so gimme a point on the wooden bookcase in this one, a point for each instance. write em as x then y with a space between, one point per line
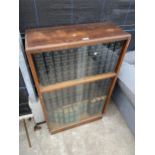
75 69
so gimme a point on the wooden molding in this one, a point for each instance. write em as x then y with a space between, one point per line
76 82
64 37
84 121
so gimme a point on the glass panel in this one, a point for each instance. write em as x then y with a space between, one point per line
58 66
73 104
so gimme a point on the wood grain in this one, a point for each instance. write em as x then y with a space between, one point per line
76 82
34 74
84 121
124 48
58 38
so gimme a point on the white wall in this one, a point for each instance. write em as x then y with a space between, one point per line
37 111
33 101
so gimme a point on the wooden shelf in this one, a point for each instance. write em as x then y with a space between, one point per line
98 98
55 128
62 37
71 83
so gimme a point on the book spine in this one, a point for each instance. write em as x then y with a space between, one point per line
96 56
66 115
109 58
57 65
71 95
60 112
92 98
96 107
76 112
116 53
48 106
71 114
65 95
104 57
56 116
81 62
85 104
64 64
59 96
71 64
100 106
75 63
51 100
102 60
81 108
112 59
91 108
50 66
90 61
41 69
88 97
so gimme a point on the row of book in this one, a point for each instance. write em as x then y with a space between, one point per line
74 112
58 66
76 94
68 104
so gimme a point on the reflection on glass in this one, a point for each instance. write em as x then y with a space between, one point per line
58 66
73 104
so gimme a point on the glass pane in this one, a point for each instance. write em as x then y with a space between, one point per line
58 66
73 104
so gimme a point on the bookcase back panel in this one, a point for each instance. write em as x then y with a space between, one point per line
73 104
68 64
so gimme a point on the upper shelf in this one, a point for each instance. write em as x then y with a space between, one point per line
62 37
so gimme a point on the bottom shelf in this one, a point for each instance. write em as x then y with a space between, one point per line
85 118
75 114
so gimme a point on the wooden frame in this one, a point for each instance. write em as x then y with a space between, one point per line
65 37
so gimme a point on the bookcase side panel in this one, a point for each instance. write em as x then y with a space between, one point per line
117 68
35 78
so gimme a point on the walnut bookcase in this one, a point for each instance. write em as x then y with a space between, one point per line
75 69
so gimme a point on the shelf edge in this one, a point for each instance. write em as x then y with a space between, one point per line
76 82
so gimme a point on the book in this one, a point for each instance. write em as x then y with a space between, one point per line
86 91
65 65
85 104
50 67
48 106
90 108
61 115
40 69
76 109
71 93
56 117
90 61
71 64
81 62
66 115
102 59
71 114
57 66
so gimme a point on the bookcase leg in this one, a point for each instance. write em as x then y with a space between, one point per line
27 134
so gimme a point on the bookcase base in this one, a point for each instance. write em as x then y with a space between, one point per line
83 121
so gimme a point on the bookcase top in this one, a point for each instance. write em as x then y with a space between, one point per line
72 36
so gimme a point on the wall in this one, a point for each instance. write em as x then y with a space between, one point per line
45 13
